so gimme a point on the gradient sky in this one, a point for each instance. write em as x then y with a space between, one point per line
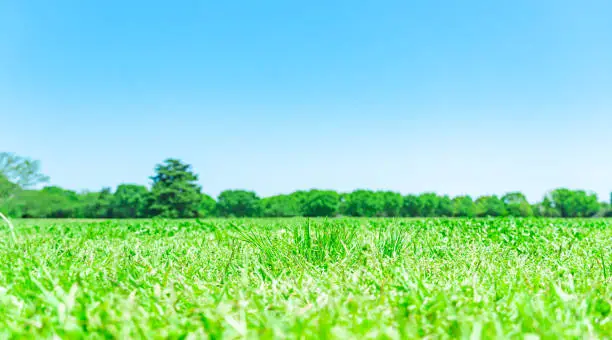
457 97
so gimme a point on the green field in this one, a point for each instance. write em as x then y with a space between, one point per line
294 278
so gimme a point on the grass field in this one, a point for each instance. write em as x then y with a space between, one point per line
293 278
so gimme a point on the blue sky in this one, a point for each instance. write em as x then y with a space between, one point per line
457 97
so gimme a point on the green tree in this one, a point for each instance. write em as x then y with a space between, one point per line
238 203
517 205
574 203
320 203
429 204
391 203
130 201
464 206
445 206
411 206
490 206
102 207
28 204
280 206
208 206
16 173
175 192
545 208
50 202
363 203
7 188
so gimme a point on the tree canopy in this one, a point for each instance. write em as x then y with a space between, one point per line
175 193
238 203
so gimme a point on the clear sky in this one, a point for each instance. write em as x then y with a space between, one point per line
457 97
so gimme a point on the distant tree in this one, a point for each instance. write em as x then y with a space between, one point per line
464 206
104 203
7 188
175 192
363 203
28 204
238 203
208 206
320 203
301 196
429 204
517 205
280 206
21 171
50 202
545 208
411 206
16 173
607 210
574 203
391 203
130 201
445 206
490 206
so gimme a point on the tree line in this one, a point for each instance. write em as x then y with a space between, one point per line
175 193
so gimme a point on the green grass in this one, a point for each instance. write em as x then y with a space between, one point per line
294 278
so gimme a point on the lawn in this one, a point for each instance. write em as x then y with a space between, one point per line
299 278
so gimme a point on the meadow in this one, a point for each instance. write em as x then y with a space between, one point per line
300 278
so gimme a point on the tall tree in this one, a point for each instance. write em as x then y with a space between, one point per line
175 192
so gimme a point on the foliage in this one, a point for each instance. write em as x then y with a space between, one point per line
238 203
464 206
516 204
22 171
208 206
490 206
573 203
363 203
411 206
175 192
320 203
7 189
130 201
280 206
427 205
391 203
